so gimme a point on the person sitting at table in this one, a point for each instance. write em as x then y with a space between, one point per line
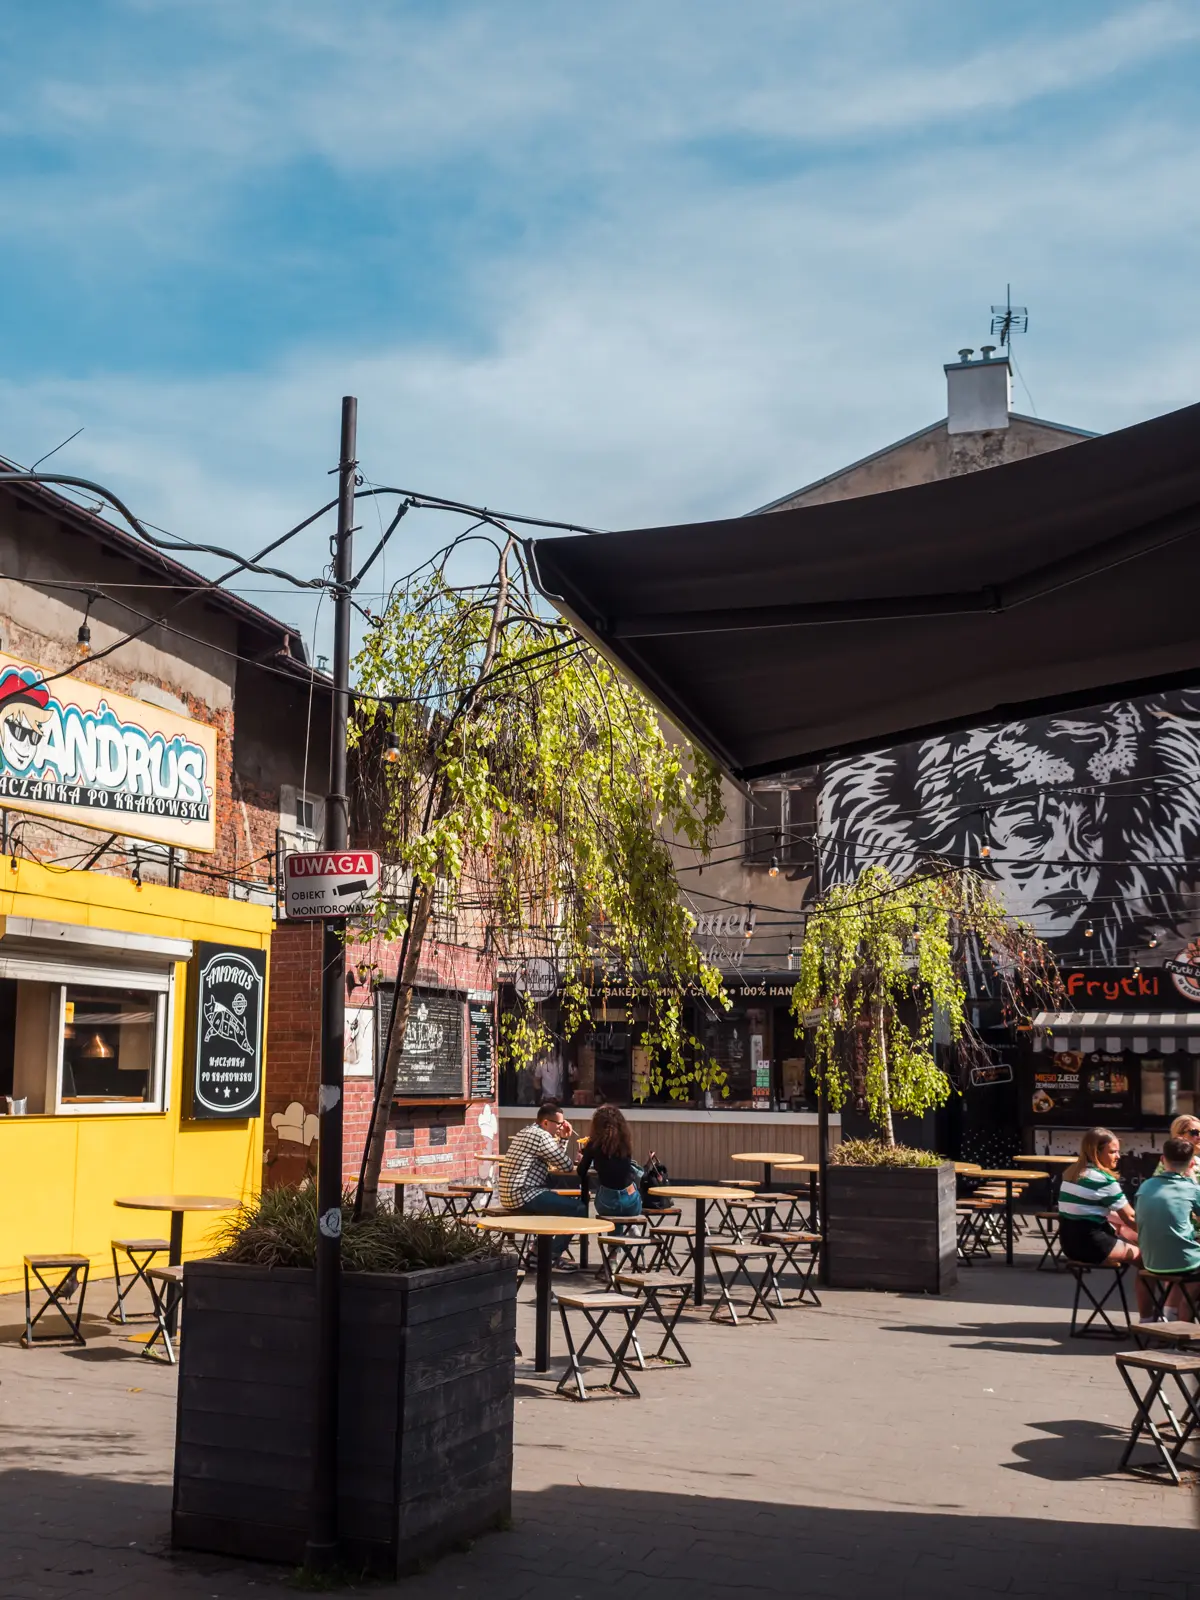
1185 1127
609 1150
1089 1199
1166 1208
542 1147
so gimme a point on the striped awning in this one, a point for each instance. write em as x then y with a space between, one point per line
1140 1031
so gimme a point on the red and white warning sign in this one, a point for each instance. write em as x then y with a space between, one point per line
323 883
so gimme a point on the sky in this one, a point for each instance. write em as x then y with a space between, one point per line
620 265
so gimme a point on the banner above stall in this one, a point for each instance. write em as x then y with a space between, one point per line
104 760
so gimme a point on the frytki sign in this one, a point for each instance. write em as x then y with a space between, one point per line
70 749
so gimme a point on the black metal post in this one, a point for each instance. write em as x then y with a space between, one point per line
541 1342
321 1546
701 1243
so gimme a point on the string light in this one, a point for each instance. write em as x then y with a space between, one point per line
773 869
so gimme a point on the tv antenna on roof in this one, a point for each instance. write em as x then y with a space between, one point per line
1009 319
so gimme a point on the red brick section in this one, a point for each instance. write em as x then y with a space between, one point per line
293 1059
293 1062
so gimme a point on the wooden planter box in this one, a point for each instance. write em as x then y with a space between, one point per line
892 1228
426 1420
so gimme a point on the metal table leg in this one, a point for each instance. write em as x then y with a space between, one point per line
175 1259
1008 1222
541 1349
700 1246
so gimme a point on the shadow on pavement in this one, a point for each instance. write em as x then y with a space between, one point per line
571 1542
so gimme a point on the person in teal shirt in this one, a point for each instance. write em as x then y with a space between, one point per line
1166 1220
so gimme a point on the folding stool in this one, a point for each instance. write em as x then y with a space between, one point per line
789 1244
166 1290
741 1255
597 1308
1079 1271
654 1286
74 1270
133 1248
1161 1365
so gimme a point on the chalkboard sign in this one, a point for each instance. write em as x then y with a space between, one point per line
432 1062
483 1051
227 996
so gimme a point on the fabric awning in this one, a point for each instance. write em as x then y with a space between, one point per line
1121 1021
789 637
1113 1031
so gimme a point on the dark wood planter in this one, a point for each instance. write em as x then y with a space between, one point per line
892 1228
426 1421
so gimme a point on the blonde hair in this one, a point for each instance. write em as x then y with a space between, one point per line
1090 1147
1181 1123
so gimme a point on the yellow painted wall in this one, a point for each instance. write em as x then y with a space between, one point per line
59 1175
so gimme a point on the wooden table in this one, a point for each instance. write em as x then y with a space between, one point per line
1008 1176
701 1194
1057 1165
769 1158
814 1202
543 1229
177 1205
406 1180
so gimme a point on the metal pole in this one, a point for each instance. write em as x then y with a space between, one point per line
322 1543
822 1095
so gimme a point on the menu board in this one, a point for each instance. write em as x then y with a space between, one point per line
227 987
1069 1086
432 1061
482 1060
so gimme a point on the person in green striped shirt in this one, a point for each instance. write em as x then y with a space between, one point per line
1096 1223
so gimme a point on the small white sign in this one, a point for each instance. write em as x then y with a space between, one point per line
323 883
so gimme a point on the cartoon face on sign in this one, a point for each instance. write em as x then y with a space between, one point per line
24 713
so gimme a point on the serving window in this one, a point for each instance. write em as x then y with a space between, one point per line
93 1045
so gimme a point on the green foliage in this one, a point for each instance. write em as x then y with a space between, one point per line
876 1153
538 790
278 1228
880 961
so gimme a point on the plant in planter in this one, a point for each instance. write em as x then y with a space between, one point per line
881 963
427 1361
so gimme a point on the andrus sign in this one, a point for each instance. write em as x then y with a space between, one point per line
228 1028
69 749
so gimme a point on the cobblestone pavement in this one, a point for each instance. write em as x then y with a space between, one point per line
917 1446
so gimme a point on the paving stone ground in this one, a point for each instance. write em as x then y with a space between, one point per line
887 1444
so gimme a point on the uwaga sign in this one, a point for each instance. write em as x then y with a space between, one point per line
69 749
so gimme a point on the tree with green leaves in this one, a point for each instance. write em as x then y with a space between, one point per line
529 788
882 961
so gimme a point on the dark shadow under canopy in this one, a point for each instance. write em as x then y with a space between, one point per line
792 636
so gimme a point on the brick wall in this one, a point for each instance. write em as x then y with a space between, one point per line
293 1066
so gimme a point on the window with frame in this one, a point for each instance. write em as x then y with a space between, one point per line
781 822
89 1045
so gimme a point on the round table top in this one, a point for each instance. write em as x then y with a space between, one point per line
1055 1161
769 1156
519 1222
698 1191
1014 1173
400 1178
967 1166
176 1202
798 1166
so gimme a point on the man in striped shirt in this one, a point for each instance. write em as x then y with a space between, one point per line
539 1149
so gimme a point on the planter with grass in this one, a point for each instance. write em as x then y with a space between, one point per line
890 1222
427 1358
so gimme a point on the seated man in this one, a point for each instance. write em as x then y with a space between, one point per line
1166 1224
538 1150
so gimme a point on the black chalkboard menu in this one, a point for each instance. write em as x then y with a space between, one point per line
482 1060
432 1062
227 988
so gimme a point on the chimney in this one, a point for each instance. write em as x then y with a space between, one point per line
978 393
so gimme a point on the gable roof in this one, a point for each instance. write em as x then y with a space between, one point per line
898 444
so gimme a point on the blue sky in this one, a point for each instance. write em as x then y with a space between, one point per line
622 264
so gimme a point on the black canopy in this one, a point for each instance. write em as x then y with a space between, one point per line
788 637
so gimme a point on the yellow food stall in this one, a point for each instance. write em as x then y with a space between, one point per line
132 1021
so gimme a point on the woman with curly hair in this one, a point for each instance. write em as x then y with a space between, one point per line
609 1150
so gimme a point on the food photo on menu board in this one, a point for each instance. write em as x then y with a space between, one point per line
1071 1083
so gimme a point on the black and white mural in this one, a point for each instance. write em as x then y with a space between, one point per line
1087 819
